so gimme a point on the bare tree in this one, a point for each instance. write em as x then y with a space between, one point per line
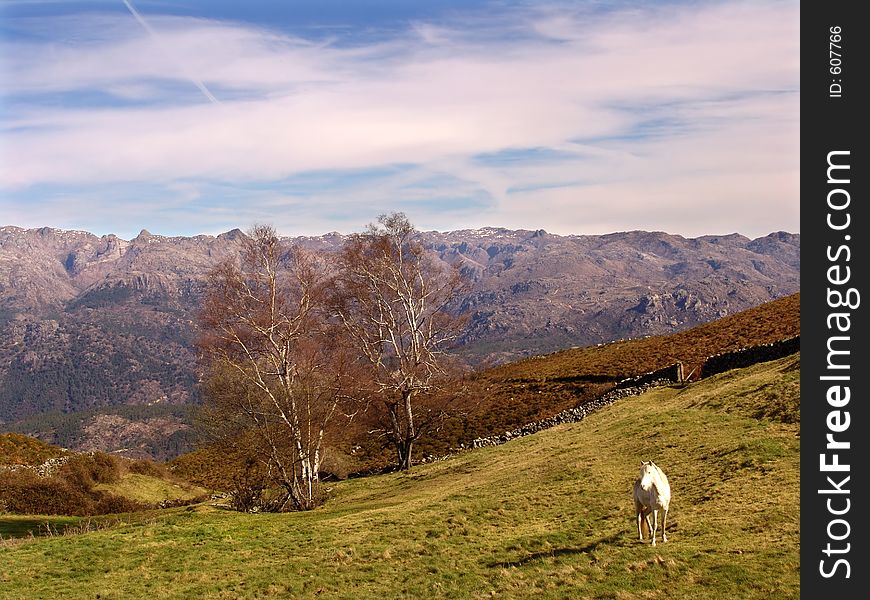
278 373
393 299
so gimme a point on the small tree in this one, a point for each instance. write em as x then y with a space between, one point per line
277 371
393 299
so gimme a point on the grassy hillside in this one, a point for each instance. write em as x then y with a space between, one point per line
535 388
149 489
509 396
544 516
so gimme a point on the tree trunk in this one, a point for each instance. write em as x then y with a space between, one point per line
404 448
410 431
404 433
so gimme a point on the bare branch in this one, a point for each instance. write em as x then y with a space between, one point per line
392 300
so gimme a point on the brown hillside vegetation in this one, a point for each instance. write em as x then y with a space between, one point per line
769 322
509 396
535 388
37 478
18 449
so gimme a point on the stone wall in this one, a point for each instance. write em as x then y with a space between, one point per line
634 386
46 469
745 357
572 415
672 374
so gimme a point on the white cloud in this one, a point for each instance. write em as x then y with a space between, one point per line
722 78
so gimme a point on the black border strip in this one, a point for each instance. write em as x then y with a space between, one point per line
833 246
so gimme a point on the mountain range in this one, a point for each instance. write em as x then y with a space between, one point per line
96 332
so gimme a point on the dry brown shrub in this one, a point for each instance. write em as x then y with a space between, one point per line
27 493
111 504
69 492
149 468
84 471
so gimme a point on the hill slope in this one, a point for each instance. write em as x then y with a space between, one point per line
92 326
528 390
545 516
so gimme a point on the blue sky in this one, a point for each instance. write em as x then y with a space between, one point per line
186 117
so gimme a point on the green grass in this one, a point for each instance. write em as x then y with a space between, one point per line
545 516
19 526
150 490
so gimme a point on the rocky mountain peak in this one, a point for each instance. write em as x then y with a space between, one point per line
88 322
232 235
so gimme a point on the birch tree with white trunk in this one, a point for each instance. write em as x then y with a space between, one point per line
278 370
393 301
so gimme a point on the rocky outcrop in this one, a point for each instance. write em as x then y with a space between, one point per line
45 469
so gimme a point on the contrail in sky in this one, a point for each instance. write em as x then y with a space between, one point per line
205 91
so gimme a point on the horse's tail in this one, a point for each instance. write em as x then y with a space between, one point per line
644 528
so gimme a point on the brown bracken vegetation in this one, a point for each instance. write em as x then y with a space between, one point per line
539 387
70 489
19 449
511 395
37 478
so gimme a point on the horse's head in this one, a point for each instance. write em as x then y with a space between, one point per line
647 470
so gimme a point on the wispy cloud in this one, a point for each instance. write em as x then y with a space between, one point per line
681 117
154 35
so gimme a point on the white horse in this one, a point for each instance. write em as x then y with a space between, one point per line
652 494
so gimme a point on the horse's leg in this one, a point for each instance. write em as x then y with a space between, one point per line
648 523
664 525
655 514
639 530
